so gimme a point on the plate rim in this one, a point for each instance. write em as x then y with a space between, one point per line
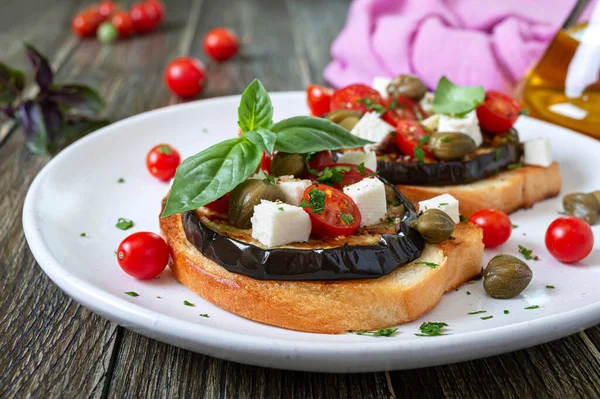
277 350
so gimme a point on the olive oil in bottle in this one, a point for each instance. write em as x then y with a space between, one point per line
564 87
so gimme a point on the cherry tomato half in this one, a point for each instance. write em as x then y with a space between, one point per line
343 174
265 163
331 212
86 23
185 76
405 109
408 136
496 226
569 239
321 159
144 17
220 205
319 99
143 255
498 112
221 44
106 8
162 161
122 21
353 97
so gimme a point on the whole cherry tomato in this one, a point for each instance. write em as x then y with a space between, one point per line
221 44
162 161
220 205
402 108
143 255
185 76
356 97
409 135
569 239
342 175
321 159
106 9
331 212
319 99
144 17
498 112
86 23
122 21
159 10
496 226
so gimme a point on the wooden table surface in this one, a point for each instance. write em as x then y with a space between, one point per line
52 347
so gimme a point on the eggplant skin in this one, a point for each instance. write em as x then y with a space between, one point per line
451 172
340 263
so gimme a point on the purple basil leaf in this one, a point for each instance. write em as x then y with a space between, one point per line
53 119
80 97
43 72
12 82
42 124
77 127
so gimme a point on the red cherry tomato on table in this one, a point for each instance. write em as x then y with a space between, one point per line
162 161
350 174
405 109
408 136
122 21
569 239
319 99
498 112
86 23
337 214
496 226
220 205
143 255
185 76
159 10
350 97
321 159
221 44
144 17
106 8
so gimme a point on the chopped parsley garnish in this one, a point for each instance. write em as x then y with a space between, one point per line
270 179
316 202
525 252
419 153
514 226
374 174
391 219
304 204
395 203
382 332
428 264
394 103
550 287
486 317
510 138
165 149
347 218
361 168
124 224
524 111
497 154
468 292
445 139
121 180
333 175
280 208
83 235
514 166
431 329
478 312
132 293
532 307
506 312
380 109
187 303
462 218
443 203
204 315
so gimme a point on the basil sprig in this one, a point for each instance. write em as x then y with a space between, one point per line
451 99
215 171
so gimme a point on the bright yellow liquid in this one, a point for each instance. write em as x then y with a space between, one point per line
546 83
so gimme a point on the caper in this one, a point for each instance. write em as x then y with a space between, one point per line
285 164
344 117
407 85
434 225
244 197
584 206
451 146
506 277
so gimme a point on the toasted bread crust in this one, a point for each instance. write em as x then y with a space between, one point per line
330 306
508 192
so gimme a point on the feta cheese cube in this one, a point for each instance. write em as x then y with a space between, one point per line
431 123
445 203
380 84
468 125
369 158
427 102
293 190
372 127
369 196
271 224
538 152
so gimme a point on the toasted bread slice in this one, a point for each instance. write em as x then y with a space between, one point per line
508 191
330 306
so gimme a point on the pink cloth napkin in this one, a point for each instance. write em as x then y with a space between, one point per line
472 42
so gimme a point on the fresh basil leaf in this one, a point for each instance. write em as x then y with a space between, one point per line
301 134
12 82
263 138
211 174
255 108
81 97
451 99
43 72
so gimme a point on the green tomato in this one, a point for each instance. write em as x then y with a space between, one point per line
107 33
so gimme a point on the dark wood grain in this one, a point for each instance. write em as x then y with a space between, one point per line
52 347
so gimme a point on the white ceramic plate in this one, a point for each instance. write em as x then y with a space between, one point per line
78 192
